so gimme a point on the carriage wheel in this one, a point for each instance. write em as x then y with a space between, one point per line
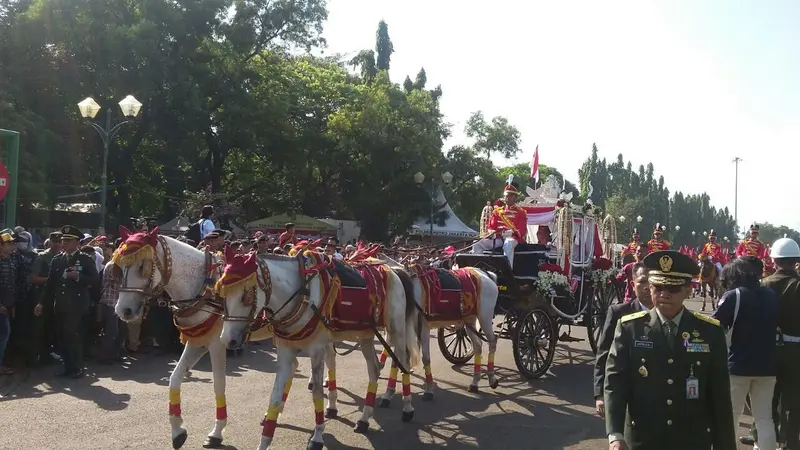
598 310
455 344
345 348
534 343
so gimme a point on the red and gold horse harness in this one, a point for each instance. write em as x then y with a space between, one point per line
141 248
352 297
449 297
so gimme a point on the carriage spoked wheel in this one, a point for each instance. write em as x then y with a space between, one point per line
601 301
344 348
534 343
455 344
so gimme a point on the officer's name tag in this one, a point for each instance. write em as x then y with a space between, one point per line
698 348
692 388
643 344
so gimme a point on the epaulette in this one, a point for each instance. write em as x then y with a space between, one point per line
632 316
706 318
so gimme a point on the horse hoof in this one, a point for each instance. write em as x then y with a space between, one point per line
361 427
179 440
494 383
212 442
427 396
331 413
310 385
473 388
385 402
314 445
408 416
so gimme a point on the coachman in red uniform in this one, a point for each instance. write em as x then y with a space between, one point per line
657 244
751 246
508 225
634 245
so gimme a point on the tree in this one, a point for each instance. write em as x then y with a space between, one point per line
769 233
497 136
383 47
522 175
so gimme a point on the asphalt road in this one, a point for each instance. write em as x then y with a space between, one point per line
125 406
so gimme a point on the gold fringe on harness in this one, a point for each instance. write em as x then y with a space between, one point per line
128 254
231 281
205 338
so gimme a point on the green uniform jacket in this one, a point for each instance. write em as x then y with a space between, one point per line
70 296
646 385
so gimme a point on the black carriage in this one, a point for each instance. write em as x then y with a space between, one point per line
530 319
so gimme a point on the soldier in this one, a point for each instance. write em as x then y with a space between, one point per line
786 282
640 302
657 243
666 381
44 326
509 223
713 250
288 236
751 246
67 289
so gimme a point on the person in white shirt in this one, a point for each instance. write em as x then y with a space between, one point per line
206 224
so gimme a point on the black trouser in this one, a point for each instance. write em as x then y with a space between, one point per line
114 332
162 328
22 332
71 330
789 385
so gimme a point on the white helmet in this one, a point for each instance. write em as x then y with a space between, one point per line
785 248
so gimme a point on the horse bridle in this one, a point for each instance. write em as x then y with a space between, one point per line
165 269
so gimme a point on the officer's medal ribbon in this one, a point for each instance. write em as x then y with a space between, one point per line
685 337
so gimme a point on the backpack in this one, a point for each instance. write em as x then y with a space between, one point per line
193 233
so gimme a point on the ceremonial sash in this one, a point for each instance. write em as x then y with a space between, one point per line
508 222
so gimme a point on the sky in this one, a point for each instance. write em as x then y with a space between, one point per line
683 84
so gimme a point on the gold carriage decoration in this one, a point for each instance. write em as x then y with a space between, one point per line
608 236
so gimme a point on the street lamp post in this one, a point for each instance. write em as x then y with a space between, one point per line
419 178
89 108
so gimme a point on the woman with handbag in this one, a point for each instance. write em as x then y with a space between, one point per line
749 313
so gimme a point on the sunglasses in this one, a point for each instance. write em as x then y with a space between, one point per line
671 288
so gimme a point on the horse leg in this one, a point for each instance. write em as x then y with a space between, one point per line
217 353
317 367
478 346
330 355
391 386
425 343
287 361
703 293
487 327
368 350
382 360
191 354
330 360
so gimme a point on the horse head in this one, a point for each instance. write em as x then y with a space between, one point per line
238 287
136 257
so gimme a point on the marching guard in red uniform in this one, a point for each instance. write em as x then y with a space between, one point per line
508 224
657 244
634 245
714 251
751 246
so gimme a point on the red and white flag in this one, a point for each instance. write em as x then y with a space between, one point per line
535 165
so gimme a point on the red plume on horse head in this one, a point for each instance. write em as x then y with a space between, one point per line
229 252
135 247
124 233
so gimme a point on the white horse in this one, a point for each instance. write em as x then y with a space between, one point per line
485 314
289 295
184 272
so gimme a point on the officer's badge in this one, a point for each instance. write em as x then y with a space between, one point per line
666 263
695 334
643 371
685 335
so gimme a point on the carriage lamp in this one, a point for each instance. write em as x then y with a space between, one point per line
677 228
639 219
622 219
89 108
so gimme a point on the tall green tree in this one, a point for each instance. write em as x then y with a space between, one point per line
383 47
497 136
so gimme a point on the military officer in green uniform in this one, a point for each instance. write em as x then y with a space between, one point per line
67 290
667 384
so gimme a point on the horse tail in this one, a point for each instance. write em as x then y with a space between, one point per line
412 331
